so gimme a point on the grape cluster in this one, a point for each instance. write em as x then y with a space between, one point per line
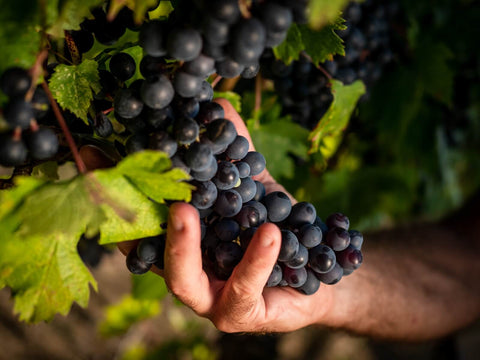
23 136
232 205
303 88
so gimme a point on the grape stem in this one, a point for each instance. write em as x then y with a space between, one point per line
319 67
35 72
216 81
68 136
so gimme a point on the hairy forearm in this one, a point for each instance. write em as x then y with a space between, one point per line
415 284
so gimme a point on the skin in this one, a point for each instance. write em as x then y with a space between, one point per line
420 285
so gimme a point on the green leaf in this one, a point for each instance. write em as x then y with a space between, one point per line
47 170
19 36
42 222
234 99
320 45
148 286
345 98
73 86
276 138
290 49
321 12
68 14
121 316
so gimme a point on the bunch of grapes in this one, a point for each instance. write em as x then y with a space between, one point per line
303 88
23 137
232 205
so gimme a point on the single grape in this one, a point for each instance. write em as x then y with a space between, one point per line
177 162
202 66
256 161
243 170
150 249
208 173
228 255
185 107
238 149
135 265
159 119
126 104
311 285
228 68
184 44
205 93
215 31
198 157
300 259
338 239
103 126
321 258
186 130
262 210
15 81
224 10
310 235
260 194
18 113
152 38
275 276
204 195
136 142
161 141
295 277
350 258
278 205
157 92
302 213
227 176
221 131
122 66
250 71
228 204
43 144
209 111
289 247
246 189
187 85
227 229
276 17
338 220
153 65
356 239
13 152
248 217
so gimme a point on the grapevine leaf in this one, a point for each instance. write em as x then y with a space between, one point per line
323 44
345 98
234 99
19 38
72 86
290 49
148 286
68 14
319 45
121 316
276 138
47 170
323 12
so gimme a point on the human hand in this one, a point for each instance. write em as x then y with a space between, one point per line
242 303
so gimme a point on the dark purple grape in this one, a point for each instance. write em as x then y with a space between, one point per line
333 276
228 68
250 71
136 142
202 66
275 276
243 170
161 141
150 249
187 85
238 149
157 92
356 239
159 119
302 213
228 255
15 81
184 44
127 104
260 194
338 239
276 17
135 265
43 144
262 210
226 11
198 157
177 162
151 66
295 277
300 259
206 92
185 106
152 38
186 130
321 259
122 66
204 195
338 220
227 176
208 173
289 247
13 152
215 31
311 285
310 235
246 189
227 229
18 113
278 205
210 111
350 258
221 132
103 126
248 217
228 204
256 161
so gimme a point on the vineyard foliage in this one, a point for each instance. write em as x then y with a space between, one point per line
406 149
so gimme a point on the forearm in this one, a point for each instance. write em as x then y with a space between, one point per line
423 285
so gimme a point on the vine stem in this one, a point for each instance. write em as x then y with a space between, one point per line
35 72
68 136
319 67
258 92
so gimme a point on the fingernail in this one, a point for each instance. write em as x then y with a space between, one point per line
175 221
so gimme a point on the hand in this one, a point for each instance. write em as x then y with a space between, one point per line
242 303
